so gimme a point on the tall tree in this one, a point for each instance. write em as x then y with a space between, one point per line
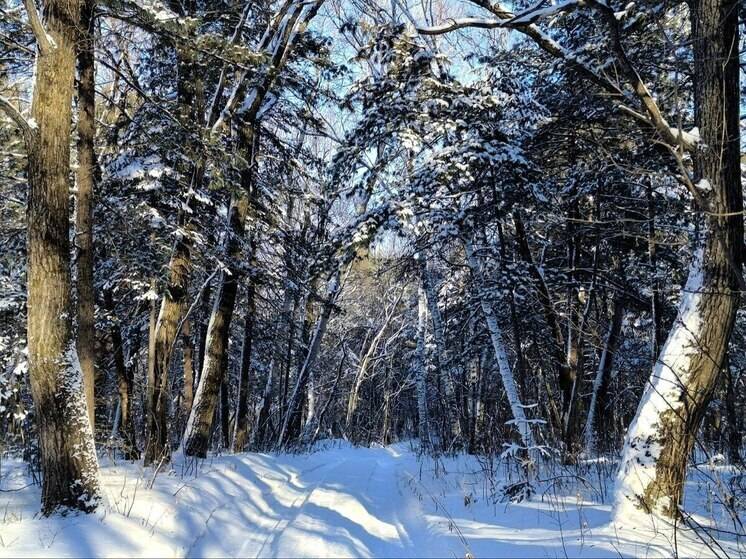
68 455
86 178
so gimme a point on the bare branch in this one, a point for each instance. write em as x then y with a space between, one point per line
43 39
15 115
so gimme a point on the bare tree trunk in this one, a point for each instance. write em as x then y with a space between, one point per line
68 456
86 177
291 423
662 435
656 306
262 422
202 333
734 433
173 307
506 374
188 357
550 316
125 383
603 371
445 367
241 428
353 399
197 433
225 414
420 371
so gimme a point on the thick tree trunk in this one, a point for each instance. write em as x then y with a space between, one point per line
68 456
241 428
662 435
86 177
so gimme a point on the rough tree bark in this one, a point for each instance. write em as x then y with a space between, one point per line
662 435
68 456
86 177
188 358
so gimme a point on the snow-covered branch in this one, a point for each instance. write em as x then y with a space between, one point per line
524 22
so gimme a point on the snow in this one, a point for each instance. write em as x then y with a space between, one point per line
663 392
338 501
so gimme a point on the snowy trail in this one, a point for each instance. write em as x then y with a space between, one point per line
337 502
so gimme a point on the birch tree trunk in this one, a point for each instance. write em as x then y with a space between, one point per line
506 374
445 369
68 456
602 372
420 371
662 434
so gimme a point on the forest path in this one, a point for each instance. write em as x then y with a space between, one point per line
338 501
351 507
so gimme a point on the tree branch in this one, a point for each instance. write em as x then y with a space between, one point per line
45 42
26 127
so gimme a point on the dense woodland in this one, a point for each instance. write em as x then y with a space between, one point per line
514 231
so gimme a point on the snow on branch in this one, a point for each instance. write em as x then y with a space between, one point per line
649 114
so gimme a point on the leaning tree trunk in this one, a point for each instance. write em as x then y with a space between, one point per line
68 456
86 177
506 374
662 434
292 420
199 426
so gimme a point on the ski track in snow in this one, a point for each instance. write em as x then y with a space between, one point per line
339 501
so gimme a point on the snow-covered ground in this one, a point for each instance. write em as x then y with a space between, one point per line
336 501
